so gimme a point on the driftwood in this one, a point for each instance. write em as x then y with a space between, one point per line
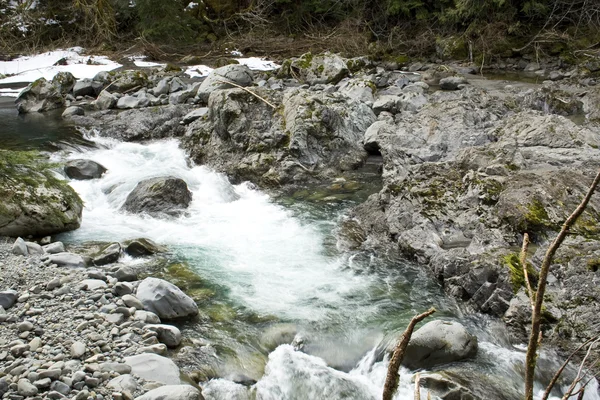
392 378
228 82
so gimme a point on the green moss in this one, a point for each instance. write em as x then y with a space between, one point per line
536 215
172 68
593 264
304 61
517 277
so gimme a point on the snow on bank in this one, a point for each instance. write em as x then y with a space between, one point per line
29 68
254 63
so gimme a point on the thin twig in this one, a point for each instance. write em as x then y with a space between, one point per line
392 378
418 386
523 260
536 318
562 368
578 378
247 90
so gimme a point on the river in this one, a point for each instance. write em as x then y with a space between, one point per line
267 267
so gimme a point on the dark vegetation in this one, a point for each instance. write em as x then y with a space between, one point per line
477 30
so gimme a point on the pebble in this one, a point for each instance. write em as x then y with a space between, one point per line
25 388
77 349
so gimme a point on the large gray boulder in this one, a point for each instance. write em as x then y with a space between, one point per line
236 73
43 95
314 135
165 299
159 196
153 367
172 392
81 169
439 342
34 202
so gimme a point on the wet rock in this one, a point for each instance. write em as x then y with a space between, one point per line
73 110
159 196
142 247
174 392
153 367
165 299
81 169
43 95
445 388
36 203
110 254
236 73
439 342
162 87
168 334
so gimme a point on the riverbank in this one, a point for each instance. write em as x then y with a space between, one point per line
452 148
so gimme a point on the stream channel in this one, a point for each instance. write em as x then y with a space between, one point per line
265 269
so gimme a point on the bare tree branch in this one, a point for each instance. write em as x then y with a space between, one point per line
392 378
536 318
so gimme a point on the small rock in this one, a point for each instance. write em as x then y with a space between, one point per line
65 259
132 301
25 388
19 247
73 110
53 284
25 326
35 344
92 284
452 82
53 248
167 334
60 387
126 274
82 169
172 392
8 298
77 350
42 383
123 288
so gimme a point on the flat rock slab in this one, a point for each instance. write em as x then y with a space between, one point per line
153 367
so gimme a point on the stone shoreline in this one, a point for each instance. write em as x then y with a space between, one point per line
81 334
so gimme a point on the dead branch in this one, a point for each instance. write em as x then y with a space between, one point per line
562 368
392 378
579 377
536 318
523 259
418 386
228 82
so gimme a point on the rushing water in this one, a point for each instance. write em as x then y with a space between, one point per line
268 270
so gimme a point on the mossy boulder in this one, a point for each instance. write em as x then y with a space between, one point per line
451 48
315 69
43 95
35 202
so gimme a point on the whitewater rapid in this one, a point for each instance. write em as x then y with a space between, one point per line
275 262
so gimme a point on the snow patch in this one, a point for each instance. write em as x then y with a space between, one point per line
30 68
